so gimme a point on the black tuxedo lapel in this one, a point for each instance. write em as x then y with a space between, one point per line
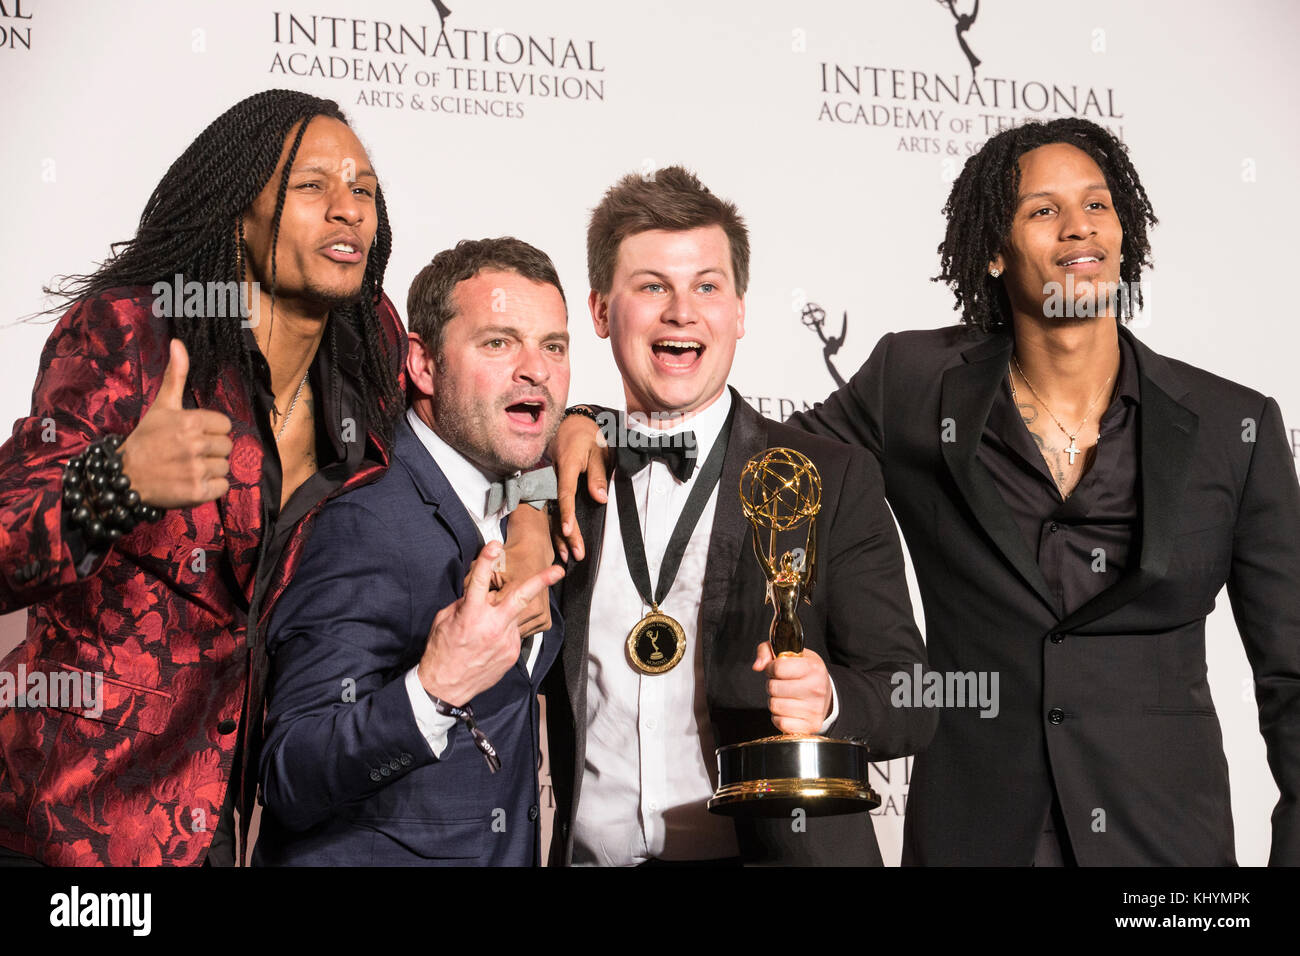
728 539
967 398
1167 433
579 584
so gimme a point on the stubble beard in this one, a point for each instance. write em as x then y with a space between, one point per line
468 430
331 300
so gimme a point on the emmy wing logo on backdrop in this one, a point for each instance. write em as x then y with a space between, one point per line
937 108
814 317
964 22
430 70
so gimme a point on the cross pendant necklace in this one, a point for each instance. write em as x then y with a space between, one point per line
1073 448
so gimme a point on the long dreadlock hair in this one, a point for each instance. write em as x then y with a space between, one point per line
983 201
193 225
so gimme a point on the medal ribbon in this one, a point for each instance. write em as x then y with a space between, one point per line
630 523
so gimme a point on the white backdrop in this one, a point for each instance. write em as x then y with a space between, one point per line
842 187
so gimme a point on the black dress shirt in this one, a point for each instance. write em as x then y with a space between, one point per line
342 449
1083 542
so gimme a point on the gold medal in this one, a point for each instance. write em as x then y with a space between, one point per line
657 643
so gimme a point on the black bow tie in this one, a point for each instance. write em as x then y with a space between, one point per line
637 449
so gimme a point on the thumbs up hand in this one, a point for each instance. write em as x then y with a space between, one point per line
177 457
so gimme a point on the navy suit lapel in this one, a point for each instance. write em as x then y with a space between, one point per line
967 399
727 540
1167 434
436 490
438 493
552 643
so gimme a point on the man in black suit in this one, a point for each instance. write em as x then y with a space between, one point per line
632 745
1073 503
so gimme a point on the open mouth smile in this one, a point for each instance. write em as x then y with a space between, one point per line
1082 258
677 354
528 412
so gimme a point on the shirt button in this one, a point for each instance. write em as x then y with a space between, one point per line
653 807
651 724
1056 715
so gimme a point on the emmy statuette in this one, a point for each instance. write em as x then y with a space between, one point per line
780 492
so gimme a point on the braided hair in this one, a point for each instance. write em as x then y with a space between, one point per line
192 225
983 201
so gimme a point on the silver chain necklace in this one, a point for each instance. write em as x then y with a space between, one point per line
288 413
1072 449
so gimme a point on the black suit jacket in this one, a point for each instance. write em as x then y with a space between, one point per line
860 622
1110 702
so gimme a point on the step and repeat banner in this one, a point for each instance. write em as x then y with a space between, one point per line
836 127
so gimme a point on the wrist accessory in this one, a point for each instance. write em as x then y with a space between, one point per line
98 497
585 411
466 715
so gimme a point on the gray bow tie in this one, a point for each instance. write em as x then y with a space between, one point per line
529 487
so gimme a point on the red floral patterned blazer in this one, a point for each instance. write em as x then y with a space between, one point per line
143 782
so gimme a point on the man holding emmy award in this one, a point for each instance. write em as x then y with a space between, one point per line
1073 503
666 654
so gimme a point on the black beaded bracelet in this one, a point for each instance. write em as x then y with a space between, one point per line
584 410
97 495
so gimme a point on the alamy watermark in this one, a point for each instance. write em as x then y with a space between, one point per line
75 908
66 690
919 688
652 429
216 300
1091 299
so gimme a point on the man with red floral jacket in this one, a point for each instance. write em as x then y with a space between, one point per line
232 429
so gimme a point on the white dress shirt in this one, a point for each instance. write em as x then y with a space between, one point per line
650 768
649 764
471 485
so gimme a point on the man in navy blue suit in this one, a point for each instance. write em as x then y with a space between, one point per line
402 721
